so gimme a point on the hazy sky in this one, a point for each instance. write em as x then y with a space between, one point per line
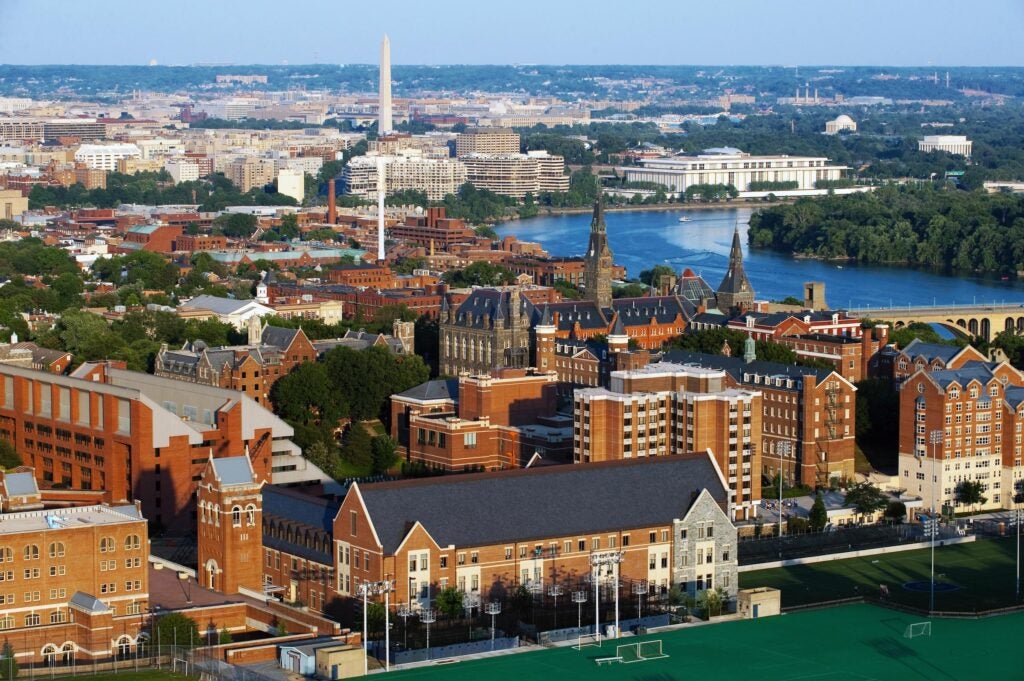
887 32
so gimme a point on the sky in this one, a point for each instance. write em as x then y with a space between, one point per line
786 32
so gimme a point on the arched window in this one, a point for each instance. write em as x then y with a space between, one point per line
132 542
123 646
216 515
50 654
32 552
250 515
57 549
67 653
236 516
6 554
107 545
202 511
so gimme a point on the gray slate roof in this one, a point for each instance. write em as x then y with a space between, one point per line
216 304
520 505
302 510
737 367
918 348
962 376
88 603
439 389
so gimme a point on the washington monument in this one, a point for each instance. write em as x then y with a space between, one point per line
384 102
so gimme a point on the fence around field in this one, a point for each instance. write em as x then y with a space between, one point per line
572 633
789 562
762 550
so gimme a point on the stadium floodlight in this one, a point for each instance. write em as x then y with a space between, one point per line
493 609
784 449
935 437
428 616
556 590
579 598
367 589
639 589
611 559
405 612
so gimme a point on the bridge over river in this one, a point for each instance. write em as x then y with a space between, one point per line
982 320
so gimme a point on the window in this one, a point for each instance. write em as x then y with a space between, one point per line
461 559
650 537
443 561
353 517
474 557
132 542
32 552
6 555
582 544
32 620
682 534
522 552
412 563
508 553
56 549
711 531
6 622
469 440
250 515
106 545
236 516
55 571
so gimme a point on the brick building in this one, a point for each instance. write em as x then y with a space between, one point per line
808 416
134 435
75 585
664 409
155 238
499 420
901 364
230 525
977 410
433 230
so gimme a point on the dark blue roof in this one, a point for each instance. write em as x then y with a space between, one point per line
918 348
302 511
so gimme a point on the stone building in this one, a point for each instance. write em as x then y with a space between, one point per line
597 278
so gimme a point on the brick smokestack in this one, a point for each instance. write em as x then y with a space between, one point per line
332 207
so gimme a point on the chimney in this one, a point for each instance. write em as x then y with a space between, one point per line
332 206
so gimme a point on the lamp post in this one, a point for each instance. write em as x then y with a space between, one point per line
469 602
405 612
555 590
428 617
639 589
784 449
579 598
493 609
935 438
367 589
597 561
1018 517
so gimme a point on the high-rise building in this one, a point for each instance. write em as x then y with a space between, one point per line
437 177
598 275
487 141
384 103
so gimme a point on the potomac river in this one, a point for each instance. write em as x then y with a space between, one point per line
642 239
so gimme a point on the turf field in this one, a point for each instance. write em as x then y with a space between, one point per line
982 573
848 643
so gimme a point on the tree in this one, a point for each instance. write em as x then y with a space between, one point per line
357 446
865 498
710 601
224 636
970 493
487 232
479 274
818 516
383 451
8 662
177 629
652 277
307 396
449 602
895 512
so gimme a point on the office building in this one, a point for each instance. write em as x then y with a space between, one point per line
516 175
489 141
105 156
433 176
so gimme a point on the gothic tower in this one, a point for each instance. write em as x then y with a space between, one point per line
597 277
230 527
735 291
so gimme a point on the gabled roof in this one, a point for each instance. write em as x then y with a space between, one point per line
278 336
1013 396
919 348
234 470
519 505
315 513
221 306
971 371
738 367
439 389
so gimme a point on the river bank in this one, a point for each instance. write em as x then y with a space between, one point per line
651 208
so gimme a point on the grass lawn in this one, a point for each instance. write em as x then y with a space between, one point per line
983 571
850 643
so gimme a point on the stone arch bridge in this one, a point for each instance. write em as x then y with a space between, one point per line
984 321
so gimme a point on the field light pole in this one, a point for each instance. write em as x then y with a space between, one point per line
556 590
367 589
428 616
935 438
1018 516
784 448
639 589
579 598
597 560
493 609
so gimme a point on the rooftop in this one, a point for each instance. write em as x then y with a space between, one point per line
67 518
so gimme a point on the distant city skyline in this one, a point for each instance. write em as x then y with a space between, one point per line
749 32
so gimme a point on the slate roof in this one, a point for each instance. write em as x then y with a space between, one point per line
918 348
519 505
440 389
1013 396
302 510
217 305
487 302
278 336
233 470
962 376
738 368
21 484
88 603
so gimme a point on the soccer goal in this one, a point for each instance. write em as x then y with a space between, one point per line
918 629
628 653
650 650
588 641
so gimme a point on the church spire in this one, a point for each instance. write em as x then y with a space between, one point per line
735 290
597 275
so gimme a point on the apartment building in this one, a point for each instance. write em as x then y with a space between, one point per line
433 230
134 435
487 141
251 173
74 582
962 424
516 175
664 409
437 177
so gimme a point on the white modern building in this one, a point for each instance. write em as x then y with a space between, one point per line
105 156
953 144
291 182
435 176
182 170
517 174
840 123
732 167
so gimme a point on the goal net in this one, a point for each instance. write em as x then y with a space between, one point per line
650 650
588 641
918 629
629 652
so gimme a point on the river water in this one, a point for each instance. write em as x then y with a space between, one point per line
642 239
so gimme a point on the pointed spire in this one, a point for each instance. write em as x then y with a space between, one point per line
597 223
619 329
736 252
545 317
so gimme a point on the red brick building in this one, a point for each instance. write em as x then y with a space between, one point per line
432 230
156 238
230 525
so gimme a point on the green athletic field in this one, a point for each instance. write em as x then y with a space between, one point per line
983 573
848 643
